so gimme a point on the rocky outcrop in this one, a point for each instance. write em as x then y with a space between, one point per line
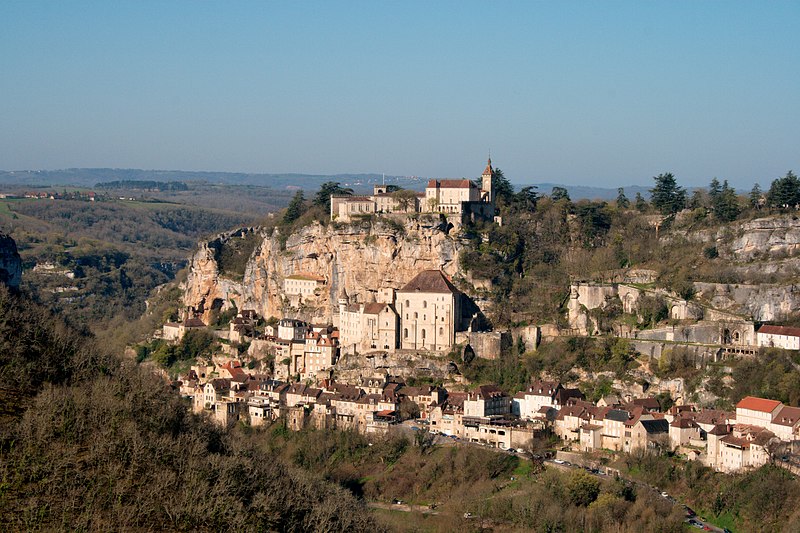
360 258
10 262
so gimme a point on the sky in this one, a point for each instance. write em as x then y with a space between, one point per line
580 93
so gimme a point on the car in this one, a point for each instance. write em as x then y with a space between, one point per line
559 461
664 494
689 512
706 528
512 450
467 515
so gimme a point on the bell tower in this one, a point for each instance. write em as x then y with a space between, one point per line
487 192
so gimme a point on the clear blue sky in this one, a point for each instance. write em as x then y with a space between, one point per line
596 93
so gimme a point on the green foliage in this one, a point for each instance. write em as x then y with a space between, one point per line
559 193
666 195
323 196
622 200
784 193
232 254
502 188
296 208
128 454
724 202
583 488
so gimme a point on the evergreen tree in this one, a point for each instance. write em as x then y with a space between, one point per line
323 196
640 203
667 196
725 204
559 193
755 196
622 200
296 208
784 193
502 188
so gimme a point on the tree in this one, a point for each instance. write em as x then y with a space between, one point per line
755 196
559 193
725 203
666 195
296 208
784 193
640 203
502 188
622 200
526 199
404 199
323 196
583 488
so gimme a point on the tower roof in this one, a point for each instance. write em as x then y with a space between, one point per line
488 170
430 281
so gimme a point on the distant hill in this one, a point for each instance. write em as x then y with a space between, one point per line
90 177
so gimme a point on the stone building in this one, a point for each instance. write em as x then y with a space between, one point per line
462 199
430 312
368 326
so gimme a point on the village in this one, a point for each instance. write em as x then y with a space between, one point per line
425 316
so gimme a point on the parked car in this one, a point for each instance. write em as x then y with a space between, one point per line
512 450
558 461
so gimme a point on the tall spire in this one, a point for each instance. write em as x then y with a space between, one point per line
488 170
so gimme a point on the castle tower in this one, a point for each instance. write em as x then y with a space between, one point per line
344 300
487 192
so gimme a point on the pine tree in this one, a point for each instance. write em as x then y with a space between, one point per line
640 203
784 193
295 209
755 196
667 196
622 200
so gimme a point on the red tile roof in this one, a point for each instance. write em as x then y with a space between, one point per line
758 404
780 330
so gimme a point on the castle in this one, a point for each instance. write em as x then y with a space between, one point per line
460 200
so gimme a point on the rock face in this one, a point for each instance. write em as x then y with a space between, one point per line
360 258
10 262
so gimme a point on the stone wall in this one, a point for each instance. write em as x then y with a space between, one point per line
488 344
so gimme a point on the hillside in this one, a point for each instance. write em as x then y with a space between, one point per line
87 443
97 262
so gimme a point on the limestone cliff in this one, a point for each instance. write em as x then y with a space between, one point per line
361 258
10 263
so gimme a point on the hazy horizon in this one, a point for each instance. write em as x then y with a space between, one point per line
585 94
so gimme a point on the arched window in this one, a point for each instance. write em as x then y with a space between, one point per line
424 304
441 331
405 333
407 303
423 334
416 315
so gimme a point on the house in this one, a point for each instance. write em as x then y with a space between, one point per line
646 434
460 199
430 312
321 351
303 284
486 401
784 337
682 430
745 447
757 411
786 423
174 331
447 417
368 326
529 404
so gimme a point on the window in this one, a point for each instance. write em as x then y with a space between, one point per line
441 331
405 333
407 304
424 304
423 334
416 315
